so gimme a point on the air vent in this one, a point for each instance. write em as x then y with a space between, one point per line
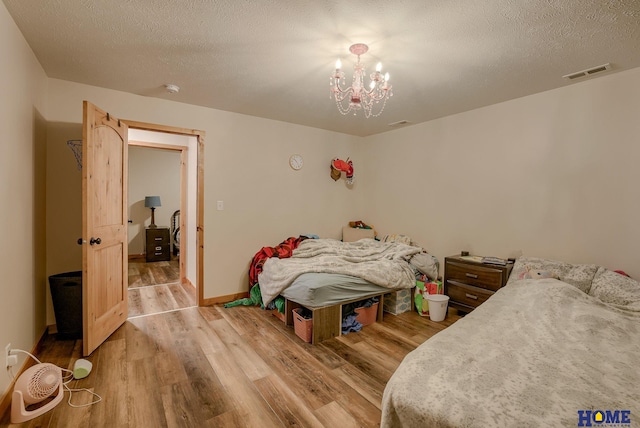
588 72
399 123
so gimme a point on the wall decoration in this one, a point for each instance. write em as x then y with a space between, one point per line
296 162
338 166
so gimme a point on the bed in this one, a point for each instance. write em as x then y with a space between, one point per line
540 352
322 275
328 289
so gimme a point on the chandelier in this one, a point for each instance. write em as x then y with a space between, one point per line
360 97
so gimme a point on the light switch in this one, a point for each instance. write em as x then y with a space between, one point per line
220 205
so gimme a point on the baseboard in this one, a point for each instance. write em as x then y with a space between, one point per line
223 299
5 400
187 282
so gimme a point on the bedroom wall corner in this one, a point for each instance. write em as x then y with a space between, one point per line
22 186
64 204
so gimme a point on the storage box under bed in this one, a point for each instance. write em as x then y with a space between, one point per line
327 320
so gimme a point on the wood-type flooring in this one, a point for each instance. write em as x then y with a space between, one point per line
235 367
155 287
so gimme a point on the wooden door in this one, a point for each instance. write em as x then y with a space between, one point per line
104 226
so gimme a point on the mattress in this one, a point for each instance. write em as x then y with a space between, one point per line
538 353
327 289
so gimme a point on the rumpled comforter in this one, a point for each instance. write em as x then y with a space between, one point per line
534 355
381 263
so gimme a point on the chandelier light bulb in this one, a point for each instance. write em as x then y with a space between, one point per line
338 64
386 77
379 67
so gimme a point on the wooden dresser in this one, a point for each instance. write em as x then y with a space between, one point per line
469 283
158 245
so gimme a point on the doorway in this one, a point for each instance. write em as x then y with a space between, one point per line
154 199
174 283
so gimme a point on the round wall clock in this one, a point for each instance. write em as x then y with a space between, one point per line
296 162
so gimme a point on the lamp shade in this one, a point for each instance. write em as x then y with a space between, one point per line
152 201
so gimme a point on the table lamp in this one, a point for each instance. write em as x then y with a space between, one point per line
152 202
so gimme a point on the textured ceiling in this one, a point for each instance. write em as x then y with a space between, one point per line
273 58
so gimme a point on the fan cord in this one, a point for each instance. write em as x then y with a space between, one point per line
10 369
66 379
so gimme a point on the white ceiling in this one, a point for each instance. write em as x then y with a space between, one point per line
273 58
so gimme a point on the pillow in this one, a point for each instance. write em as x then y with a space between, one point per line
426 264
616 289
578 275
403 239
350 234
529 273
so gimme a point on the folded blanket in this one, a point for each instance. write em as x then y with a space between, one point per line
381 263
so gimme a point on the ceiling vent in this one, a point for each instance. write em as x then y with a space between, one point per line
588 72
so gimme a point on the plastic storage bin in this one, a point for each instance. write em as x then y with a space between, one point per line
368 315
66 294
276 313
302 326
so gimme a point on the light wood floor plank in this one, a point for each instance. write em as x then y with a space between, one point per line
176 406
231 419
248 401
368 388
141 408
333 415
112 386
241 351
286 403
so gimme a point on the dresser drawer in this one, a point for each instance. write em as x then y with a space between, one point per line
467 295
158 245
158 253
157 236
480 276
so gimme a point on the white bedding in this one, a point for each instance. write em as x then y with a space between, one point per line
533 355
381 263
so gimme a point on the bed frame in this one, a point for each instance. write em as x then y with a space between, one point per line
327 320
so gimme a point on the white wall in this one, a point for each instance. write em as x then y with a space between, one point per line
246 166
152 172
551 175
22 187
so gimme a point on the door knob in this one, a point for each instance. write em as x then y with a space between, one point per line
81 241
95 241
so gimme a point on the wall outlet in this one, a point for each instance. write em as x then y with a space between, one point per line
11 360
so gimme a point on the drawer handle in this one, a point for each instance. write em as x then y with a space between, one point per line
158 239
472 275
471 296
158 248
158 254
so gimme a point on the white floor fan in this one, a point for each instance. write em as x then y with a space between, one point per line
35 385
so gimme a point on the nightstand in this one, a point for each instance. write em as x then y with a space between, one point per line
158 247
468 283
